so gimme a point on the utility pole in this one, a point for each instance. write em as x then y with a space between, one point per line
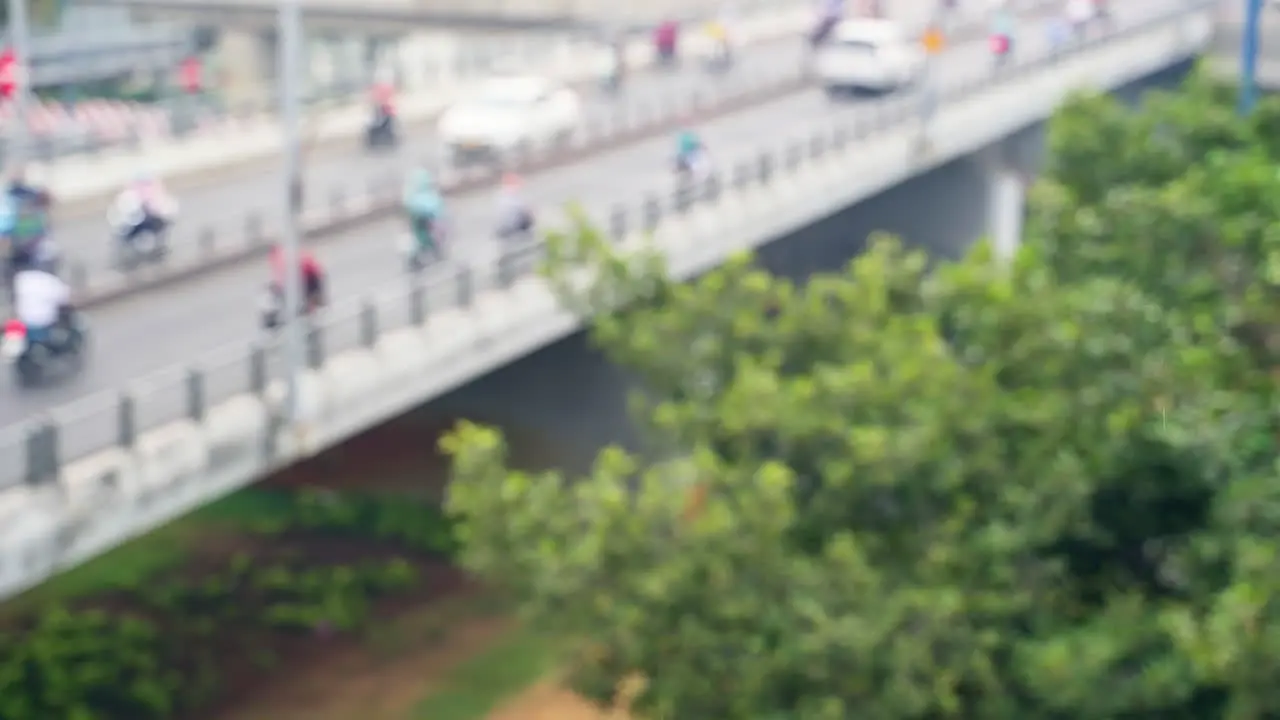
1249 56
289 33
19 41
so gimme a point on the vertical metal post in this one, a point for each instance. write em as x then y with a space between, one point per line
1249 56
289 32
20 39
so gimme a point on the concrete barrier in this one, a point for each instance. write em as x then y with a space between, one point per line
74 505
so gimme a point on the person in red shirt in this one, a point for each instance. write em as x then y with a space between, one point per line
312 276
382 129
666 40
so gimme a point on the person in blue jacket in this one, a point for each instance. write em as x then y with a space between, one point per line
425 207
690 153
24 223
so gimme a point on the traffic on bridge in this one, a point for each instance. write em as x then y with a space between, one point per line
215 313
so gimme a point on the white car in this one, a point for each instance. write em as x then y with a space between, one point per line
508 113
869 54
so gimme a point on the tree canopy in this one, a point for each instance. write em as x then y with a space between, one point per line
1041 488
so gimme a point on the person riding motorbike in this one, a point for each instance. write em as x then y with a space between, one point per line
515 219
666 41
614 65
313 277
144 206
383 124
717 33
42 303
425 208
24 225
691 153
1002 35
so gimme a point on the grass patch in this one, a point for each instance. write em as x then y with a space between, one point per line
478 686
157 551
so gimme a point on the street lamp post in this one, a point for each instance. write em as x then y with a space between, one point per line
19 40
289 48
1249 56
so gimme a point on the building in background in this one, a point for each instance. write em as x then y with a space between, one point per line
97 74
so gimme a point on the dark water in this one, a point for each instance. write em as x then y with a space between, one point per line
558 406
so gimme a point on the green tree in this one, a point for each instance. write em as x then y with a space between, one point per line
1044 489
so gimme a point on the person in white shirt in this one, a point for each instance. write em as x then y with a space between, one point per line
41 300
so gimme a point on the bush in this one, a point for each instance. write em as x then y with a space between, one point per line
165 646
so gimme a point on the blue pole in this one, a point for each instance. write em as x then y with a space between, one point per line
1249 56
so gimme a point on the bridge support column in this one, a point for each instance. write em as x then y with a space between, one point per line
1009 167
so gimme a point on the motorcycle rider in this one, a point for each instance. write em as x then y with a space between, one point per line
614 66
691 153
666 41
425 208
143 206
313 277
515 219
42 302
24 223
383 97
717 33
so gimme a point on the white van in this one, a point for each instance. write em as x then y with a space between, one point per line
869 54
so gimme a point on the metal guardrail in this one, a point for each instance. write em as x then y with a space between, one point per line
32 452
331 211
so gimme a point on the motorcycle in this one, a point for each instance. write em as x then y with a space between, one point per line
141 236
517 227
424 246
35 358
272 306
719 58
381 131
692 172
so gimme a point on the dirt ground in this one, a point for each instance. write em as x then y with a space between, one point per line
380 682
546 701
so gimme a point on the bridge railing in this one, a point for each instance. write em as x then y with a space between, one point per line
33 452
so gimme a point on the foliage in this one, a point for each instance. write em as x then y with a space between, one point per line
1039 489
167 645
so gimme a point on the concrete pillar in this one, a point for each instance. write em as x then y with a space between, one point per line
1009 167
1006 195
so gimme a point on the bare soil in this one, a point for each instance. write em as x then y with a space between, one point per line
377 680
548 701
